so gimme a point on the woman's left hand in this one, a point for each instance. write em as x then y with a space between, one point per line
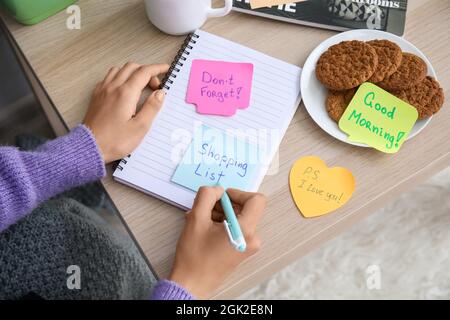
112 116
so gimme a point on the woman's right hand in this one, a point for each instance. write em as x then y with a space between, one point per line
204 256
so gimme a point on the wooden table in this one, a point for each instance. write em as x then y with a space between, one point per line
70 62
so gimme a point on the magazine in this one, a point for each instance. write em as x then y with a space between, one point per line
339 15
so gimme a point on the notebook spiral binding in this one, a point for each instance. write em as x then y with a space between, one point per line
171 74
179 60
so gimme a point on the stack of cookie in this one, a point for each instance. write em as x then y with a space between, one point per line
344 66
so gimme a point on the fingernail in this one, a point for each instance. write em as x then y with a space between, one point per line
160 95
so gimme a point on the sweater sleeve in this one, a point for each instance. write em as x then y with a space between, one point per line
29 178
169 290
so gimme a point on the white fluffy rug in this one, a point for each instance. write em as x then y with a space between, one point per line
409 241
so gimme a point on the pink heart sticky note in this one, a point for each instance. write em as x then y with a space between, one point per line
218 87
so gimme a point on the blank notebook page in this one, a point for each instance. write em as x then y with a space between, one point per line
274 99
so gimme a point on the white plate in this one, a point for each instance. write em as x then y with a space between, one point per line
314 93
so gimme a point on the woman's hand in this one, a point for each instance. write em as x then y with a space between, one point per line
204 256
112 116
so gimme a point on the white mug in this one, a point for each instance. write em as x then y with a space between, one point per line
179 17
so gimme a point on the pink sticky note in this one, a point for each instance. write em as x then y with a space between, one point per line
220 88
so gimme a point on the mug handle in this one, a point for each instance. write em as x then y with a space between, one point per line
220 12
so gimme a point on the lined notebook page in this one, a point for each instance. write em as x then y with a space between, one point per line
274 99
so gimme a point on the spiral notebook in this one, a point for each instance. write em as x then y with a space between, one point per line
274 100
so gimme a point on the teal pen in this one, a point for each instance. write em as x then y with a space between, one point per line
231 224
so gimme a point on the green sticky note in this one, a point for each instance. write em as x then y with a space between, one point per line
377 118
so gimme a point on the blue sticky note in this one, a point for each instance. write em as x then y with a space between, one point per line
216 157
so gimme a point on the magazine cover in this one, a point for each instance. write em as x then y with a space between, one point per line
337 14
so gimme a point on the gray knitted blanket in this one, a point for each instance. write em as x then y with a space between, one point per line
37 252
64 250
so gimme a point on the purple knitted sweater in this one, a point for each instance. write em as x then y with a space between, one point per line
30 178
